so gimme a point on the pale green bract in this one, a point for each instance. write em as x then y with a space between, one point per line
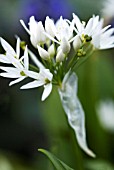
74 110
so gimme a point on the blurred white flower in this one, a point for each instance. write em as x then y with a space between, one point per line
108 9
43 78
93 31
105 113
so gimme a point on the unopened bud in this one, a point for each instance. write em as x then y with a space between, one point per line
77 43
43 53
60 56
65 45
51 51
49 26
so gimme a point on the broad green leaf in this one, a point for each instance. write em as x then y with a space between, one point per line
58 164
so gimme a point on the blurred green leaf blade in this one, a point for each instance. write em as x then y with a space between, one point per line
58 164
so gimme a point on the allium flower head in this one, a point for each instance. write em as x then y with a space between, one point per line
61 46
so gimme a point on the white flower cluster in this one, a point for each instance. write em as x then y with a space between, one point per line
60 45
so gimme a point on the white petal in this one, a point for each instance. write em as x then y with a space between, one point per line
18 47
78 23
10 75
7 47
33 84
51 38
16 81
45 74
47 91
105 28
23 24
31 74
9 69
35 60
26 59
4 59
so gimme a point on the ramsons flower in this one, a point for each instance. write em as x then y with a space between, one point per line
9 51
36 31
93 32
19 68
43 78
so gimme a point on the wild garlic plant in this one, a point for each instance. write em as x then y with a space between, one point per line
62 47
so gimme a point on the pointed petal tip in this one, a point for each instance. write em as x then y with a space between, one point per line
90 153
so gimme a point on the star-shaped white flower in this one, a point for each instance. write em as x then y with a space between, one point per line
93 31
43 78
18 70
5 58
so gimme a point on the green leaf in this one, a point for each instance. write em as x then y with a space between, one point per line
58 164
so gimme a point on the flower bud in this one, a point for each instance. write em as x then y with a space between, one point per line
49 26
65 45
51 51
77 43
60 56
43 53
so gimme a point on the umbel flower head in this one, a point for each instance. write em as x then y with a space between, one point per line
61 46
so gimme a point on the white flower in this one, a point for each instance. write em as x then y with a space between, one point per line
9 51
93 31
20 69
108 9
43 78
105 112
61 33
36 31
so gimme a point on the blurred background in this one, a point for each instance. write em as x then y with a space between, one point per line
27 124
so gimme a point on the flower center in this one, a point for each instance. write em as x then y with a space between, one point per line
86 38
22 73
47 81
